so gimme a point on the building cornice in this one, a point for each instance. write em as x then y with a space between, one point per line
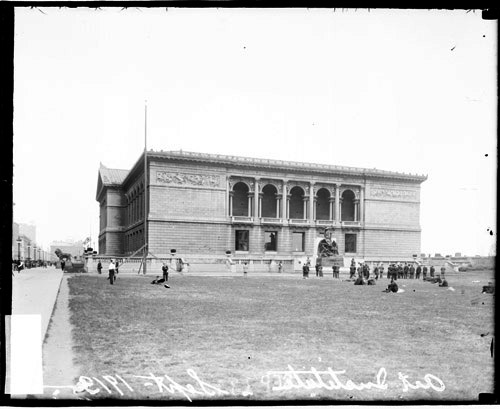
247 162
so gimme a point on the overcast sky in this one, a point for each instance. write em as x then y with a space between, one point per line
409 91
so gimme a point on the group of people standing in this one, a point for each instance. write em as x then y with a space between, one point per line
319 270
394 271
112 270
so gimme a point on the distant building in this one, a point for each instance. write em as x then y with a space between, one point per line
205 205
24 245
28 230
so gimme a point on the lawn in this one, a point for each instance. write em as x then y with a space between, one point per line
236 338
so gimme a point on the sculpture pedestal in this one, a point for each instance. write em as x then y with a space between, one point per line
330 261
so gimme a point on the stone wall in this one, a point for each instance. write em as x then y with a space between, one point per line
189 211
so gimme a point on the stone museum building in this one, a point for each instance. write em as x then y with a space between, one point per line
206 205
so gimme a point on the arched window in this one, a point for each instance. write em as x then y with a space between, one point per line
323 204
269 200
240 199
348 205
297 203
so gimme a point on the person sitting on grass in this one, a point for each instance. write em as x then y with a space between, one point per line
159 281
392 287
444 283
360 281
488 289
371 281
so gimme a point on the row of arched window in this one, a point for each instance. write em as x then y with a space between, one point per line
269 202
134 241
135 205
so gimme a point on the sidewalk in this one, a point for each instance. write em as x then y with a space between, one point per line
34 291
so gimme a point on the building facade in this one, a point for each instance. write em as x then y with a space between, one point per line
206 205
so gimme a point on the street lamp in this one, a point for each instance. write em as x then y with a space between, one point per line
29 253
19 241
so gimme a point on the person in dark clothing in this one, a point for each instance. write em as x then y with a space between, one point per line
433 270
164 269
63 264
424 272
412 272
360 281
159 280
371 281
111 271
444 283
304 271
488 289
375 271
352 272
392 287
99 267
320 271
405 271
418 271
317 269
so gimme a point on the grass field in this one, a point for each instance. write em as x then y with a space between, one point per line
222 338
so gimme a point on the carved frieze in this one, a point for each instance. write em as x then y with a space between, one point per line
188 179
385 193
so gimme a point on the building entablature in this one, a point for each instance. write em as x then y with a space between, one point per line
284 166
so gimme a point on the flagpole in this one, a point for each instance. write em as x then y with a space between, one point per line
146 249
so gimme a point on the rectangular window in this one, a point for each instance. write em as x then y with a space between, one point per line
350 243
241 240
271 240
298 241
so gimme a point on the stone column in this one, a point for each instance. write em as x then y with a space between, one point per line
285 199
337 202
134 209
304 200
361 204
259 214
356 209
311 202
340 209
288 197
249 201
277 205
331 202
256 200
231 203
141 204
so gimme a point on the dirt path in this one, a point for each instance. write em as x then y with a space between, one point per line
59 370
